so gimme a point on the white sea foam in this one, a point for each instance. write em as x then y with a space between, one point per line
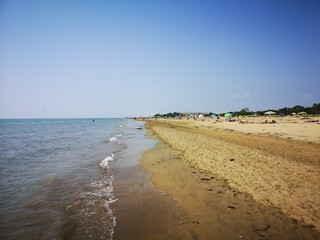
114 222
100 194
113 200
105 162
113 139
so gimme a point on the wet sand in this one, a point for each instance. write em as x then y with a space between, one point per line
230 185
143 211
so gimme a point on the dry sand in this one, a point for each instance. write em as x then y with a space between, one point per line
237 185
287 127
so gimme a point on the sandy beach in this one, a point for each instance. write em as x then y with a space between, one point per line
231 180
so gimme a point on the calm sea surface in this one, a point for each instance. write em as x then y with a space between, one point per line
56 175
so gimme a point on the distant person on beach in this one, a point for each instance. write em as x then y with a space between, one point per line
266 122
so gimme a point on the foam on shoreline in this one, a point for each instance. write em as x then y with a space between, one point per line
105 162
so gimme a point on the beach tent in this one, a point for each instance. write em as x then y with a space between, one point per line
228 115
269 113
214 115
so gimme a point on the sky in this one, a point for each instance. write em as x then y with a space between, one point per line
61 59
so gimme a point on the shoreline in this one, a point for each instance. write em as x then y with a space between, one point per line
215 202
142 211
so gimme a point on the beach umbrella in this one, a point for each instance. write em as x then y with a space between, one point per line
269 113
213 115
228 115
302 113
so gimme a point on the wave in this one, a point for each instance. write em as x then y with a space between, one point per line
93 208
105 162
113 139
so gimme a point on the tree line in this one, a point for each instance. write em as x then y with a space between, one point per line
313 110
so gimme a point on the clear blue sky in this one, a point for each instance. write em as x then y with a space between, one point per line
123 58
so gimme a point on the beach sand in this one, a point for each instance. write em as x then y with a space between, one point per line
286 127
231 184
142 211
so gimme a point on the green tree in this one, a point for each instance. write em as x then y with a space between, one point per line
244 111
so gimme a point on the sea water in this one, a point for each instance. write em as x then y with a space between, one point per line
56 175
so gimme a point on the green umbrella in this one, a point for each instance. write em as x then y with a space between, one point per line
269 113
302 113
228 115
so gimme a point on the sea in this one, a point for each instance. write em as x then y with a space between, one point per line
57 175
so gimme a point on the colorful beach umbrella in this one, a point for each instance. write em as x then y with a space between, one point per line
228 115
